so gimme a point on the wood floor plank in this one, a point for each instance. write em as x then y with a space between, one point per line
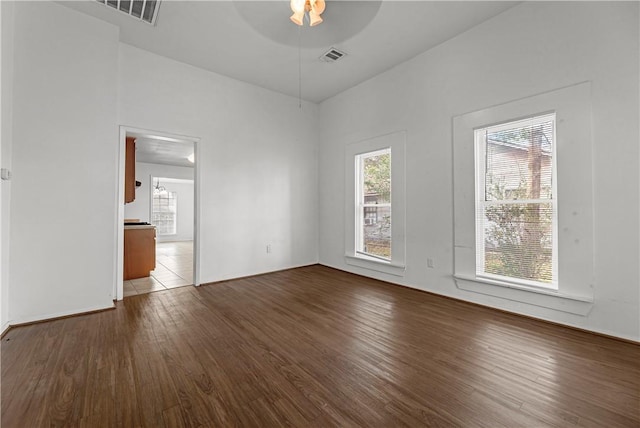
312 347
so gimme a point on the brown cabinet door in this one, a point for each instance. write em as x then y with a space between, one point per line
139 252
130 171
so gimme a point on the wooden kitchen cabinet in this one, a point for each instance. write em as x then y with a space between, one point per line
139 251
130 170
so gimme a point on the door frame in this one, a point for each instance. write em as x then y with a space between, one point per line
118 286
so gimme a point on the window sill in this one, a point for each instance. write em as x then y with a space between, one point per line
375 264
546 298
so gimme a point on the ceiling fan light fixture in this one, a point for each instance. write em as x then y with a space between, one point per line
298 6
297 18
318 6
314 19
313 8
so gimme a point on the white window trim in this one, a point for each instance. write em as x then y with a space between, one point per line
480 150
572 106
546 298
396 142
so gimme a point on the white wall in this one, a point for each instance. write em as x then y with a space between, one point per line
139 208
74 86
530 49
259 152
6 129
65 148
257 161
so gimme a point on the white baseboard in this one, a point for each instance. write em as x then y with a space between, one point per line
4 328
256 273
55 315
598 331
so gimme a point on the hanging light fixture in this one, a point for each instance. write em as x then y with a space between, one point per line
314 8
158 189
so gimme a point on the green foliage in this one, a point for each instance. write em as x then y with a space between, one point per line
517 136
377 187
377 176
520 233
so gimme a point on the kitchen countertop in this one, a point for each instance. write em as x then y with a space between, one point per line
138 226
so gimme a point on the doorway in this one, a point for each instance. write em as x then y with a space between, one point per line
173 269
166 200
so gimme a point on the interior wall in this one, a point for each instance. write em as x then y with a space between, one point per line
509 57
74 86
259 152
257 160
6 130
63 217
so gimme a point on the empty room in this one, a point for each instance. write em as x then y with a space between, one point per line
320 213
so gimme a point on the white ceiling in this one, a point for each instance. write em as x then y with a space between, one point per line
163 151
255 42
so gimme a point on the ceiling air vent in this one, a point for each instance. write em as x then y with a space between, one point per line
144 10
332 55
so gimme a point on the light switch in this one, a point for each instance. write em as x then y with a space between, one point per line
5 174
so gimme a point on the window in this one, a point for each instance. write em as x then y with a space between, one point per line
516 206
523 202
375 189
164 212
373 218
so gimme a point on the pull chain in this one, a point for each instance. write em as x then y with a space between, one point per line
300 66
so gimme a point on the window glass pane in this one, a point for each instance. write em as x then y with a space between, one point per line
516 234
137 8
149 8
376 171
125 5
164 212
373 190
377 231
518 240
518 162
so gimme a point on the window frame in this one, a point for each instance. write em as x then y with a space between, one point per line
480 154
362 205
395 142
575 204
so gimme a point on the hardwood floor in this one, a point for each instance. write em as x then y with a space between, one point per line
313 347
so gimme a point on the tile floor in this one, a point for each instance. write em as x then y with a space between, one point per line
174 268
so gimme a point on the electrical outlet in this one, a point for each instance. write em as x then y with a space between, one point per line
268 248
430 263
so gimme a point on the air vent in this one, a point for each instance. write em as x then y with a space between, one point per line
332 55
144 10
